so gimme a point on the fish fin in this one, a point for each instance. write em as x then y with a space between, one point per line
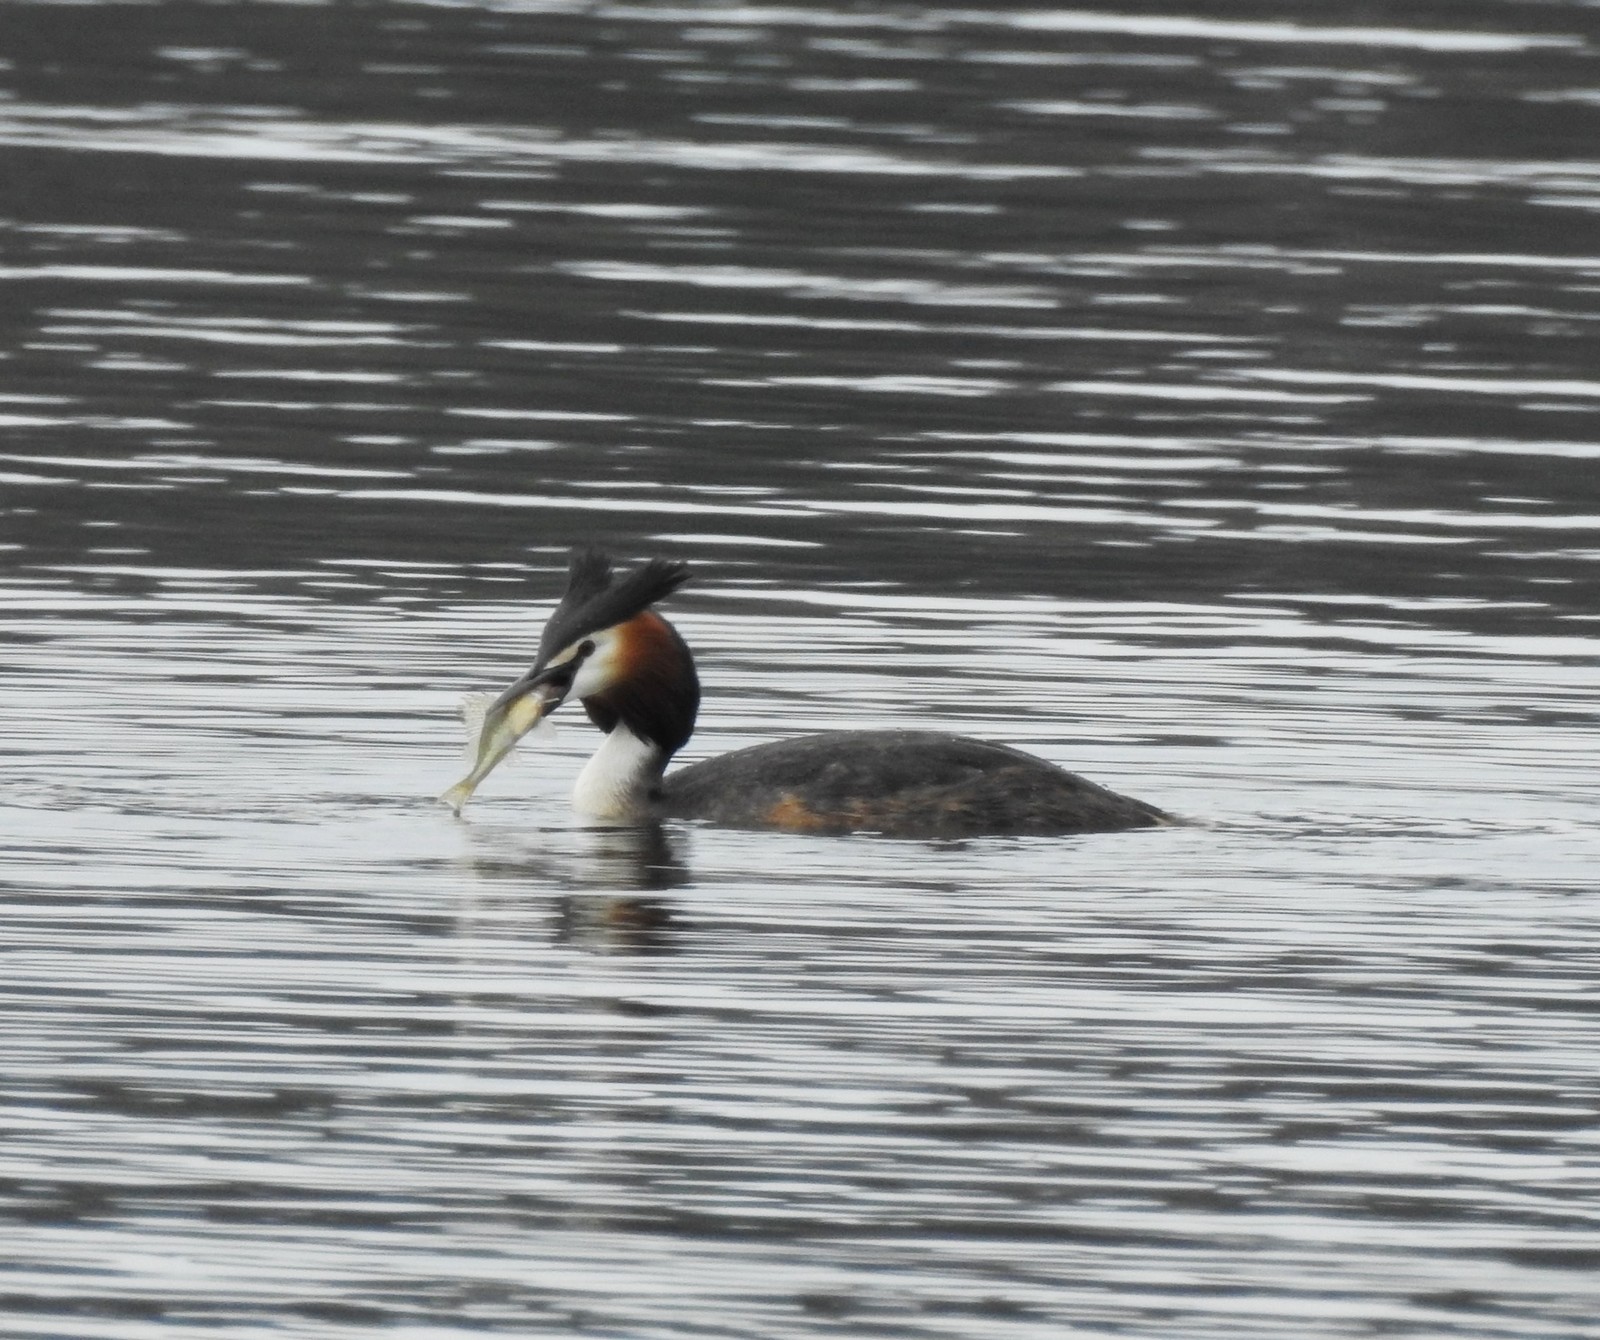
474 709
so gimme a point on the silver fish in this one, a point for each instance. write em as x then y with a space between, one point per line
493 728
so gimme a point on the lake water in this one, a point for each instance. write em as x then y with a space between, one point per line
1200 396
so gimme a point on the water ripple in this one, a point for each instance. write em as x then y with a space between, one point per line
1196 400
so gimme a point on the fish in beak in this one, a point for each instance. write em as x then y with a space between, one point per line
496 722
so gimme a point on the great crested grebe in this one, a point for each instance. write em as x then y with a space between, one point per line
635 677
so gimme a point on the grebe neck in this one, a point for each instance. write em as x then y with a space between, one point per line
620 780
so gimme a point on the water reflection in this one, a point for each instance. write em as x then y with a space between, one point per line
616 876
616 924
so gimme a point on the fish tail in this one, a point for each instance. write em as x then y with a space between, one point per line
457 796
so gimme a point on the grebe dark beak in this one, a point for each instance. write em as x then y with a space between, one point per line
551 682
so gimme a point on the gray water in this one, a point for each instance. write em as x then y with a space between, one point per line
1199 396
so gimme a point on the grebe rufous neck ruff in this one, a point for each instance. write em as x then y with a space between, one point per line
635 677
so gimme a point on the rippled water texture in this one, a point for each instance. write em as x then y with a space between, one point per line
1202 397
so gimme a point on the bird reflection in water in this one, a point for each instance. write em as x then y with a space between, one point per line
613 886
642 860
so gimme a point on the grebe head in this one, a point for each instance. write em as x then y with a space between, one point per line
605 646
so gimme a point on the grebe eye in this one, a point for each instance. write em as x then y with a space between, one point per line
585 648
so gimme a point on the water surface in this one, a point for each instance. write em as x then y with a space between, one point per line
1201 398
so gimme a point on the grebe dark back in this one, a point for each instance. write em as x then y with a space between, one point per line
635 677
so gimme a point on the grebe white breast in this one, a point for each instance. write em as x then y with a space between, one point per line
606 646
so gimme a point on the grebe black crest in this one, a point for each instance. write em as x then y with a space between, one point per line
606 646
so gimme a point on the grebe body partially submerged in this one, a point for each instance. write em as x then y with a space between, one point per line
635 677
906 783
